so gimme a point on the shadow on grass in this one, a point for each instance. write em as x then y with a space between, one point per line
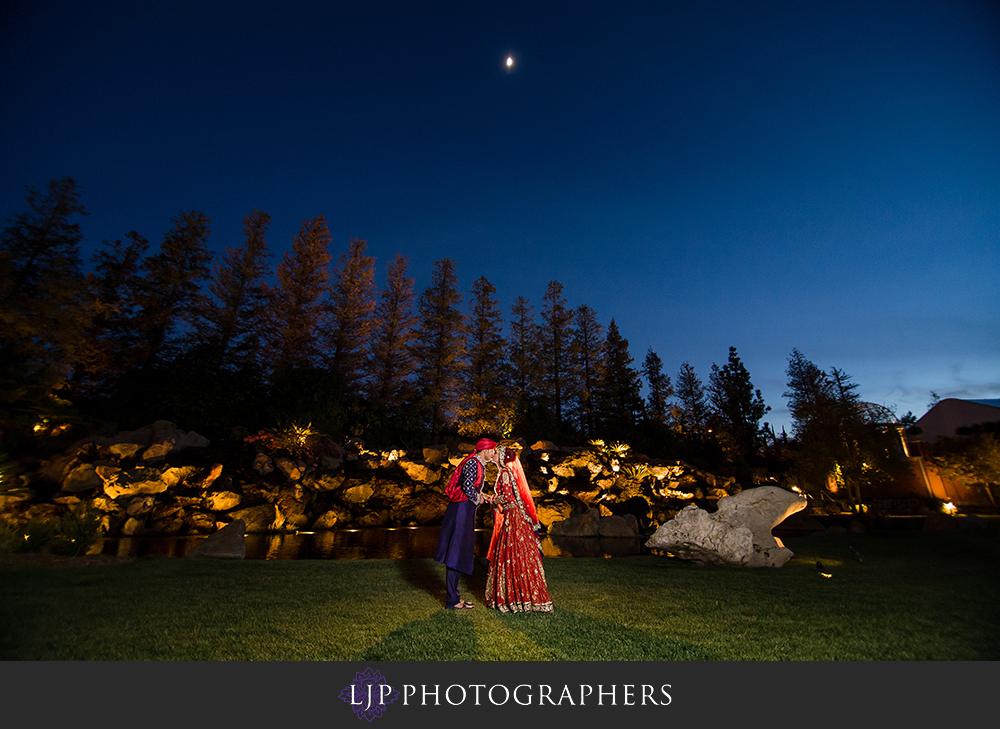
569 635
446 635
564 635
428 576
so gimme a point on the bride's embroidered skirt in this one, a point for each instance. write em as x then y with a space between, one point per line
515 581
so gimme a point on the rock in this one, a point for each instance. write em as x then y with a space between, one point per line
323 482
695 536
374 519
157 452
156 440
199 521
632 522
544 446
82 478
358 494
856 527
422 508
761 509
436 455
563 471
583 463
119 482
292 508
167 511
615 527
179 475
132 526
15 496
263 518
227 543
170 526
293 471
221 501
140 505
553 508
123 450
738 533
58 469
420 472
582 525
331 463
103 503
262 464
329 519
208 477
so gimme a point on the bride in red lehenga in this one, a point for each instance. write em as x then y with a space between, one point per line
515 581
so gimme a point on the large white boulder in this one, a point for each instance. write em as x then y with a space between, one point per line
737 533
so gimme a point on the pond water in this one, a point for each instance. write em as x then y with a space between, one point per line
389 543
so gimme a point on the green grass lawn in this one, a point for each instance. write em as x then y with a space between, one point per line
916 596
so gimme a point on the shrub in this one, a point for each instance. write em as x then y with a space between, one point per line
72 533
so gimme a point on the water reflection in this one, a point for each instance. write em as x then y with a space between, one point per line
391 543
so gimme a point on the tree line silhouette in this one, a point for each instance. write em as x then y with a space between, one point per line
170 333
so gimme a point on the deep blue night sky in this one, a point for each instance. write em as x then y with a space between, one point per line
765 175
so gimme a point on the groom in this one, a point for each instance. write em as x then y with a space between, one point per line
457 543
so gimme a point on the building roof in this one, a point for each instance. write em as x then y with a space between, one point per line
950 414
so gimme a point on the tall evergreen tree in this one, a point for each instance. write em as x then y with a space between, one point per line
660 389
811 403
587 353
692 412
621 389
235 312
295 303
349 321
390 360
171 297
439 345
837 436
43 242
489 408
737 409
113 339
555 341
523 355
44 301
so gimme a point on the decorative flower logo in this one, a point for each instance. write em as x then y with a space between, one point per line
369 694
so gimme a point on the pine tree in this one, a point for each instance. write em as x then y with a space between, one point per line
692 411
171 298
295 303
523 355
234 314
587 353
439 345
555 341
489 407
620 396
737 409
811 403
45 305
42 243
837 436
349 314
659 387
390 361
113 339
